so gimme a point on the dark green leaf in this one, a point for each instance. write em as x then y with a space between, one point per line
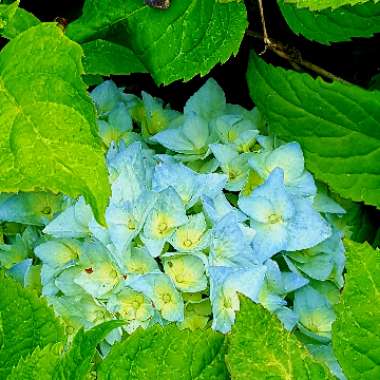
337 125
362 20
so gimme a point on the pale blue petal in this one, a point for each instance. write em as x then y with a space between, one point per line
153 246
120 119
228 245
307 228
271 301
324 204
292 281
35 208
209 101
211 185
237 171
225 283
140 261
257 207
180 177
186 271
106 96
247 281
315 312
72 222
65 281
126 222
288 317
289 158
191 236
273 277
269 239
160 289
20 270
58 253
215 208
303 186
167 214
173 139
223 153
318 267
257 163
196 130
324 353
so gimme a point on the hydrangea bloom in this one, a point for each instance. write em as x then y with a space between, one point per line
203 207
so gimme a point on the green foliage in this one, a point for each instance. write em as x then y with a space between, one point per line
260 348
40 364
47 123
167 353
77 361
27 323
14 20
336 124
105 58
189 38
362 20
317 5
356 335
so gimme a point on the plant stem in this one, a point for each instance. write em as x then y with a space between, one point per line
291 54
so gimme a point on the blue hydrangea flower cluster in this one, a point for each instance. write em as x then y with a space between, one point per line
204 206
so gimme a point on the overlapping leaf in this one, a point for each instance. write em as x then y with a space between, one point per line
189 38
105 58
323 4
77 362
356 334
47 121
260 348
167 353
26 323
362 20
337 125
14 20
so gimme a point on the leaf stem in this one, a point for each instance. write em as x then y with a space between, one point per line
291 54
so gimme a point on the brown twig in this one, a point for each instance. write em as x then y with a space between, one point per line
267 41
292 55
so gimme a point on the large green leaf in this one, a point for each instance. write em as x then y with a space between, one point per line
14 20
187 39
356 333
167 353
47 122
26 323
337 125
40 364
260 348
106 58
76 363
327 26
323 4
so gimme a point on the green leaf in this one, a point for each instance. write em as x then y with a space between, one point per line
76 363
356 334
47 123
189 38
337 125
260 348
14 20
167 353
38 365
27 322
328 25
317 5
106 58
